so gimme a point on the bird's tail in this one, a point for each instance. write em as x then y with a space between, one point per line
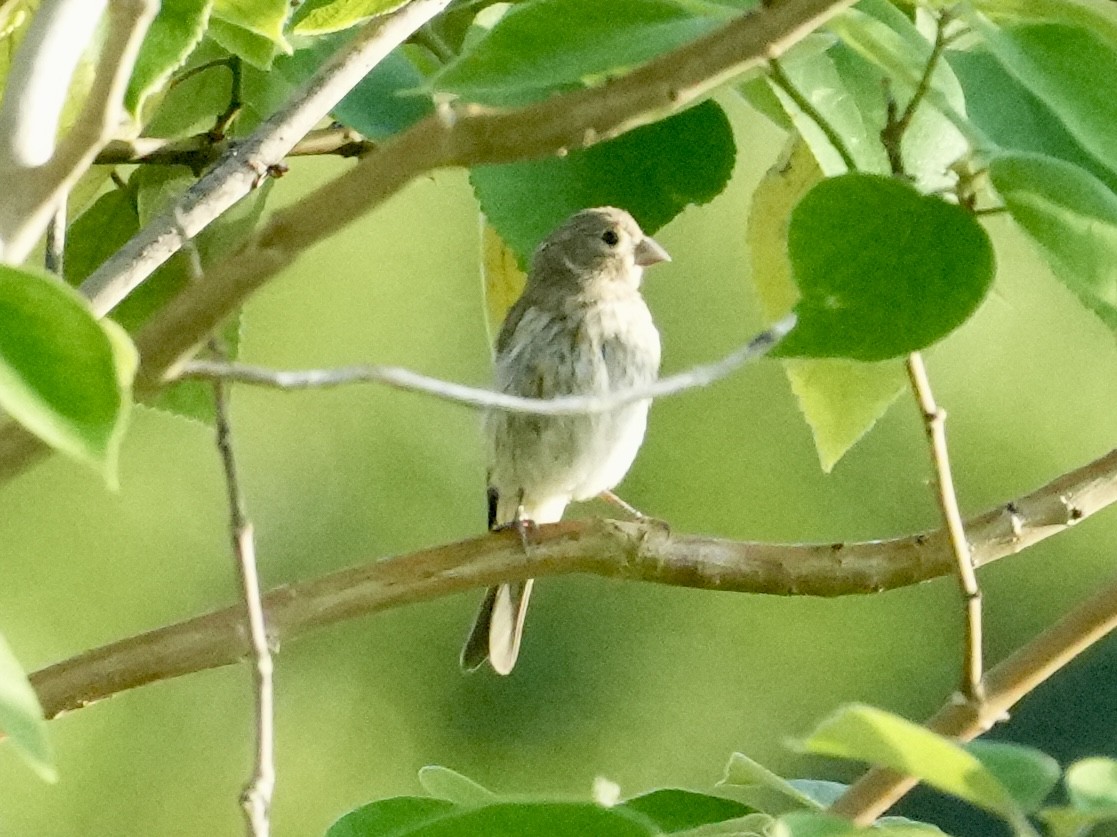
498 628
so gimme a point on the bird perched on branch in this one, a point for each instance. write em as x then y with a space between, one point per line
581 327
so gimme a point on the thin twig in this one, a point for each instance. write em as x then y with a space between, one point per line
780 78
199 151
632 551
934 418
53 257
405 379
257 794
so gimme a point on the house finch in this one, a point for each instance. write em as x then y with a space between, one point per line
580 328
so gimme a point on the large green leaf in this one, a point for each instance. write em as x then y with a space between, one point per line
176 30
675 809
882 270
872 735
555 819
21 717
840 399
390 817
1072 216
1028 774
555 44
320 17
654 172
1062 66
62 375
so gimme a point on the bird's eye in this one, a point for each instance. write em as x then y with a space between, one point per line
610 237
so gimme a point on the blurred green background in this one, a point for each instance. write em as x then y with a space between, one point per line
645 685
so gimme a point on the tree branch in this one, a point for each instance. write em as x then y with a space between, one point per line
241 167
405 379
643 551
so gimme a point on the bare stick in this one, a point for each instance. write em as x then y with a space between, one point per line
643 551
405 379
240 170
1006 683
934 421
257 795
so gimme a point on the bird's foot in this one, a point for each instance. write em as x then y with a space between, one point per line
525 527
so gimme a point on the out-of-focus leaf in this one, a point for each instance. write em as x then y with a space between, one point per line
393 817
444 783
814 824
654 172
674 810
761 788
383 103
882 270
555 819
321 17
1028 774
840 399
1061 65
60 372
265 18
556 44
1072 217
1092 791
21 717
176 30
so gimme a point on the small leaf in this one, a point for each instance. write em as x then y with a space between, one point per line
1092 784
444 783
59 371
674 809
502 279
265 18
558 44
21 717
176 30
254 48
1061 66
1028 774
654 172
882 270
1072 217
555 819
840 399
872 735
390 817
764 789
321 17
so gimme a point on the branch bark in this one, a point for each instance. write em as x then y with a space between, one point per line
643 551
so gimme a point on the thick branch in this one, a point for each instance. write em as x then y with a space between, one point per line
643 551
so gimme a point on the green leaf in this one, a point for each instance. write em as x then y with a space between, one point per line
1028 774
1061 66
750 825
451 786
1092 790
555 819
390 817
763 789
265 18
98 233
882 270
383 103
654 172
59 370
813 824
872 735
21 717
254 48
558 44
1097 16
176 30
840 399
1072 217
1006 111
321 17
675 809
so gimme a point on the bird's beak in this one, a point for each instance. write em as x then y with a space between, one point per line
648 252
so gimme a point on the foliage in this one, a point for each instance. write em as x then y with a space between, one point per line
907 126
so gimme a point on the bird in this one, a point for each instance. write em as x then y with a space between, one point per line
580 327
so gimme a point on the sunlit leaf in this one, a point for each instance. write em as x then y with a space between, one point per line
21 717
320 17
502 278
177 29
